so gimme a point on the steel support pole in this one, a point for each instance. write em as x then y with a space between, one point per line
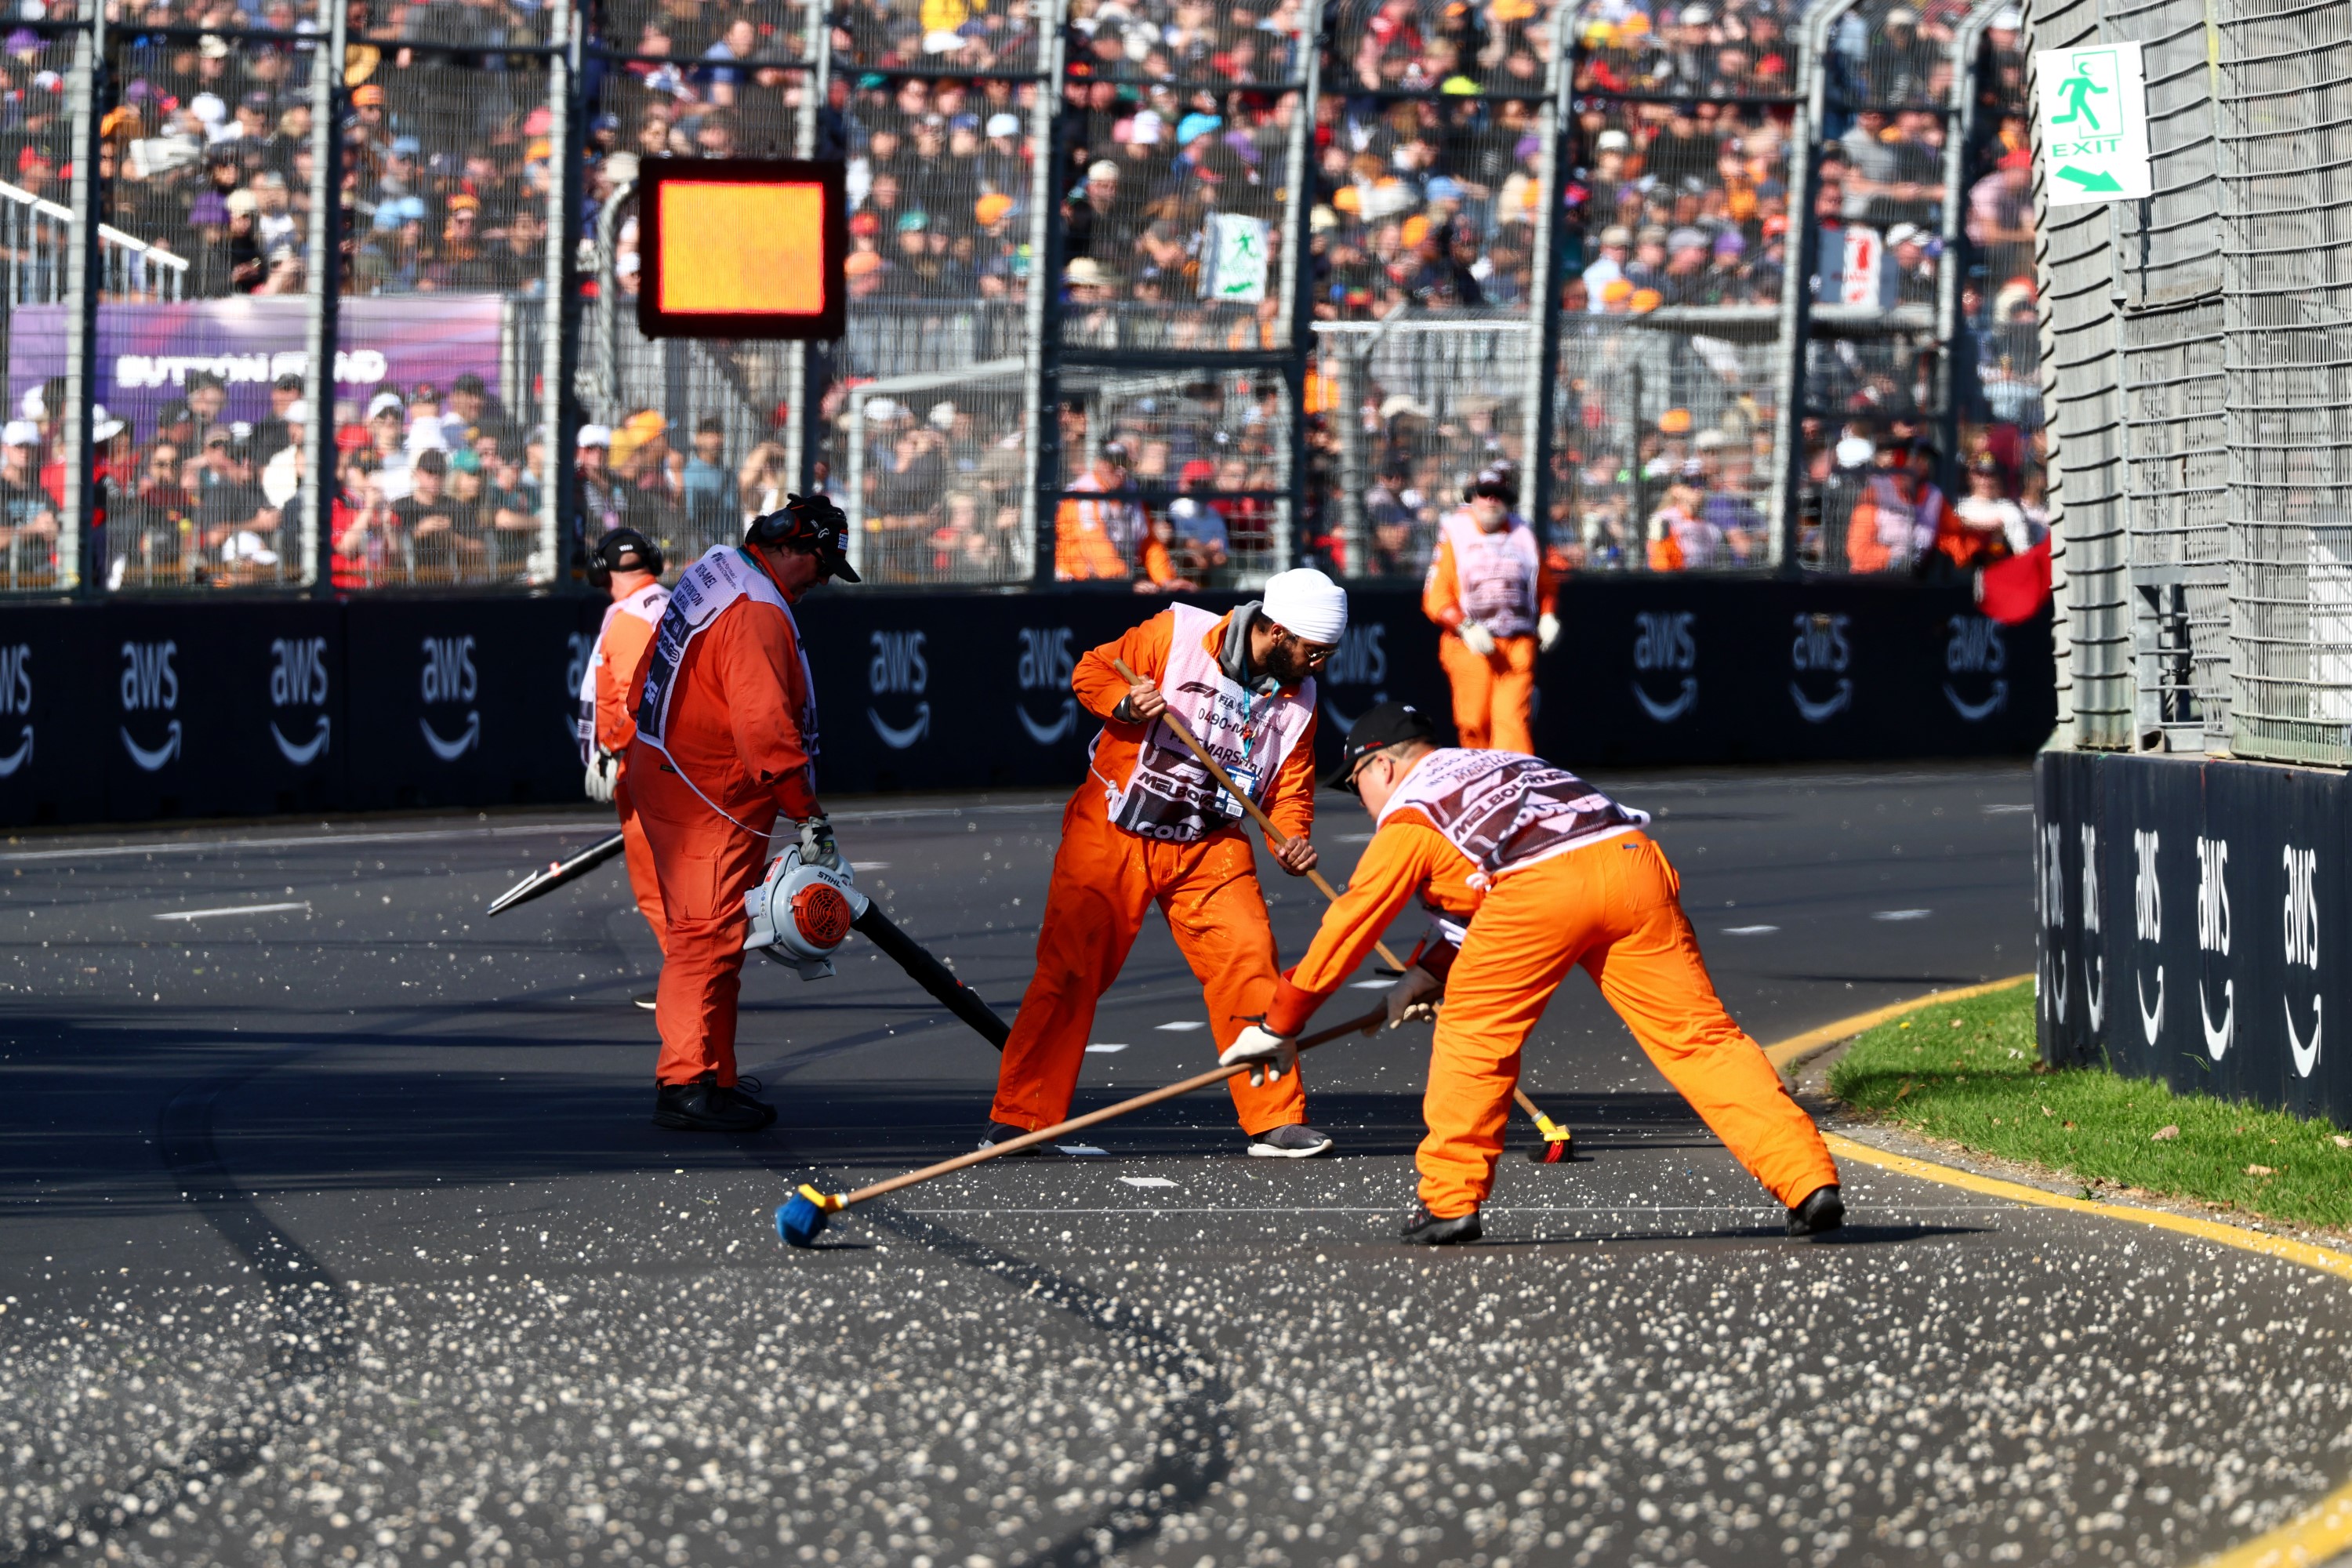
324 334
816 49
1298 280
1960 129
1796 288
81 550
559 493
1541 401
1043 431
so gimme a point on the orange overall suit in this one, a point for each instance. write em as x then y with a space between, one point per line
1138 833
620 644
1501 581
740 733
1558 874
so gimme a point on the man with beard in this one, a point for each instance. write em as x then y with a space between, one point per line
1151 826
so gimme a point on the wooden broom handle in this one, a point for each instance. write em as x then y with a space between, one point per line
1094 1117
1226 782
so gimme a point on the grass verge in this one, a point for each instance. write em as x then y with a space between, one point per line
1968 1072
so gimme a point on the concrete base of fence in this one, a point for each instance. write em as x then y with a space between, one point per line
2193 924
134 711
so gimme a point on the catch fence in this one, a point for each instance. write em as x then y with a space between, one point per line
2198 343
1141 293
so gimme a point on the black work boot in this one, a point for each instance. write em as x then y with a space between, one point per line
1817 1214
703 1106
1004 1132
1425 1229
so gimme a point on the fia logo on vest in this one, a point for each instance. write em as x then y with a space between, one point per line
297 679
17 702
1665 640
1046 665
898 668
448 676
1821 645
150 685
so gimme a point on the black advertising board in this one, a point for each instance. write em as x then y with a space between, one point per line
2195 924
148 710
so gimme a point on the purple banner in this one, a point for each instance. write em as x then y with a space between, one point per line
147 353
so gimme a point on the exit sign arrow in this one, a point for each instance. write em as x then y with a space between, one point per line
2088 180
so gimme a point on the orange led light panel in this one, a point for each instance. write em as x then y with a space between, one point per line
736 249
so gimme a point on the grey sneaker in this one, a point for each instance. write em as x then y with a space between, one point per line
1296 1140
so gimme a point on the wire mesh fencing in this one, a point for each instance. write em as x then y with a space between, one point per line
1672 343
1094 248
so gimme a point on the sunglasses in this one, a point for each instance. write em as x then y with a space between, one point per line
1308 653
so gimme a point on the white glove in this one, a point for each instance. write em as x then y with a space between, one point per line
603 772
1268 1055
1475 637
817 848
1414 999
1546 631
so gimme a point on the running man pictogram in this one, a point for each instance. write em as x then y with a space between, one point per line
2078 88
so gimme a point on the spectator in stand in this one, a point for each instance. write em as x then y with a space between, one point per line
1092 538
28 518
158 525
1986 525
709 485
1896 523
443 534
234 520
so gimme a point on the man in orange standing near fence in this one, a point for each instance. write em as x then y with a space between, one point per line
1556 874
1149 826
1492 596
629 567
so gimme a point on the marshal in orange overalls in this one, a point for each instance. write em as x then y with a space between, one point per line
1107 876
736 728
620 644
1561 877
1501 581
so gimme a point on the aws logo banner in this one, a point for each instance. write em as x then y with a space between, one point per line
897 676
2201 937
446 703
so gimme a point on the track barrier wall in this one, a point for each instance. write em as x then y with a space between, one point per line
132 711
2192 920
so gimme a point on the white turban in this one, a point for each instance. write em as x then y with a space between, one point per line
1307 604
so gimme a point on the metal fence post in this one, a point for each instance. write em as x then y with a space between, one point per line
1550 245
816 49
80 566
1298 277
1797 286
1043 427
558 500
326 292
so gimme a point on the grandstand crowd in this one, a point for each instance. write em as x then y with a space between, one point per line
1422 156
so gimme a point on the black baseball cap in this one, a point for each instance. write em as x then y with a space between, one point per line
1384 724
810 524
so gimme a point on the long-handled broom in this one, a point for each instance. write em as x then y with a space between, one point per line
800 1221
1556 1138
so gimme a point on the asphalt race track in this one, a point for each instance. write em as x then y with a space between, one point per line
332 1231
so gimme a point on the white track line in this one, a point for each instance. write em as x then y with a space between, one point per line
537 829
239 909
